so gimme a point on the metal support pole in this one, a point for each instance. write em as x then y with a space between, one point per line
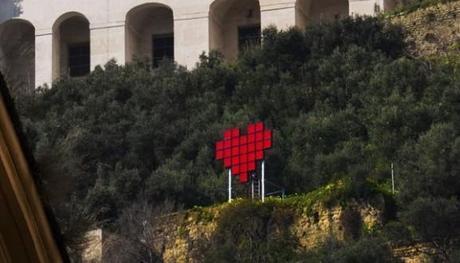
229 185
263 181
252 187
392 178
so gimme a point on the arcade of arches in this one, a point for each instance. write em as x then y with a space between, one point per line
35 52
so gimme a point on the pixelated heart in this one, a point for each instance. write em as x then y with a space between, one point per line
242 152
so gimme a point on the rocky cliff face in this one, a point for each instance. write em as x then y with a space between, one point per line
185 237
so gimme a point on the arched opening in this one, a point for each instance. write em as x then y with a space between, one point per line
71 46
310 11
150 33
233 26
17 54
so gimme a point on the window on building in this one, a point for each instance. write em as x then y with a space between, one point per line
79 61
248 36
163 48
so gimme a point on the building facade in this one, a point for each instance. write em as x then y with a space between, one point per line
42 40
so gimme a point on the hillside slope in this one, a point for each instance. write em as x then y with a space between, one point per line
310 221
129 144
432 31
268 232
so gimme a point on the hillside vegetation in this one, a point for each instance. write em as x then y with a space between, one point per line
432 32
345 101
288 230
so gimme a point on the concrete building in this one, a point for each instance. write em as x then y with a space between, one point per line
42 40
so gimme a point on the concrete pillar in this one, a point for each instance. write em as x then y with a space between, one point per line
385 5
279 13
365 8
107 42
43 58
191 38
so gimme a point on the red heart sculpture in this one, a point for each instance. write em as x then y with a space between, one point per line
241 152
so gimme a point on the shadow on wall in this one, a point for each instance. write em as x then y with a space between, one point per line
9 9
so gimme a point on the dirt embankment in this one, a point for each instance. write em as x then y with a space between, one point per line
432 31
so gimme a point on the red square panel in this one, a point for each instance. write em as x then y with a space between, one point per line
267 135
251 157
259 136
244 139
243 158
227 162
259 155
259 146
243 149
235 160
235 142
251 128
251 138
236 169
227 144
227 153
219 155
267 144
252 147
235 151
244 168
252 166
